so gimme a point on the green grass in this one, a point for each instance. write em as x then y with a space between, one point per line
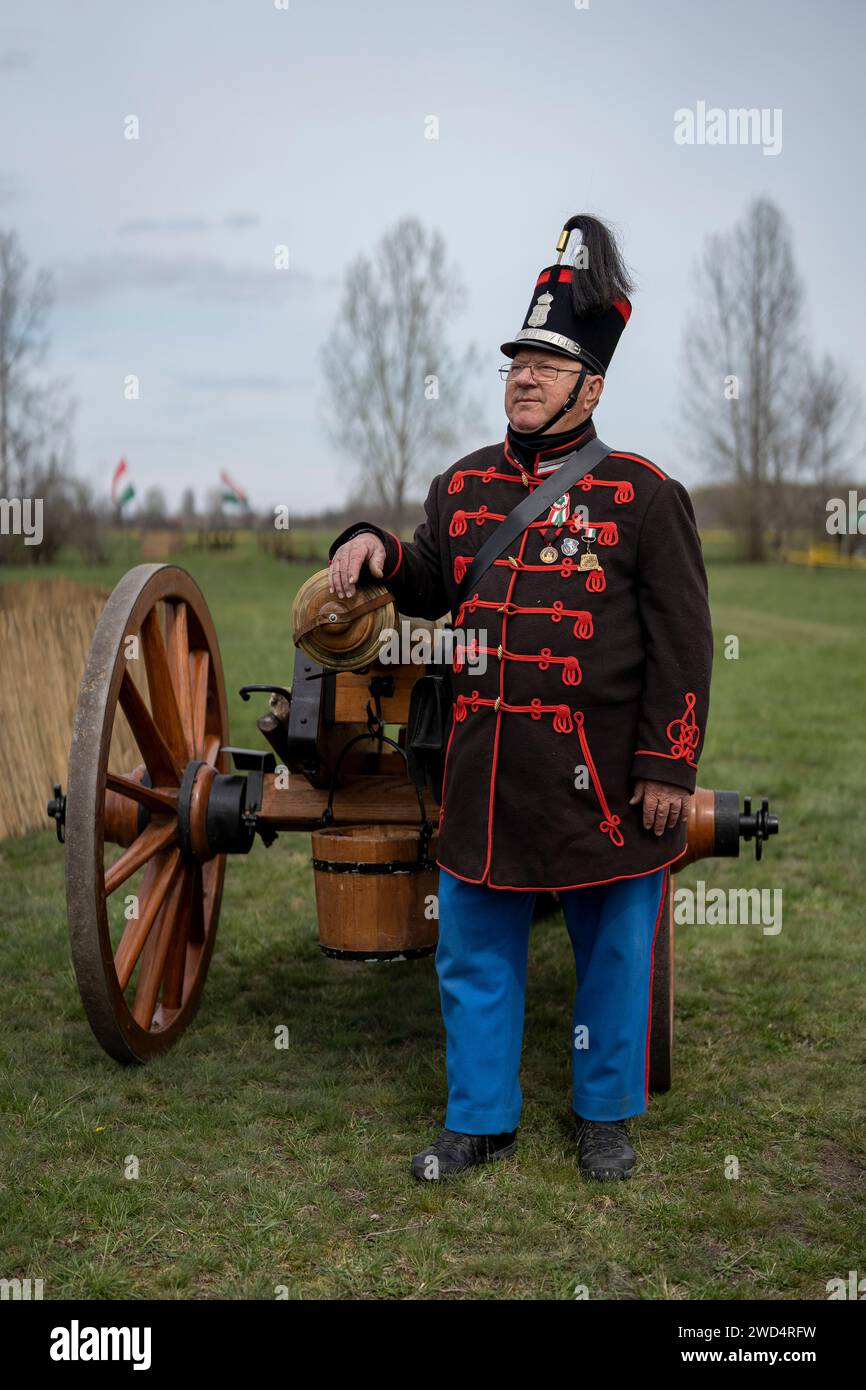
261 1167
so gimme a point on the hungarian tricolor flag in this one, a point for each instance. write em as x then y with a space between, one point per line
233 493
122 490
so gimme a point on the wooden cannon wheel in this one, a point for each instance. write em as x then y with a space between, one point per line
141 956
662 1017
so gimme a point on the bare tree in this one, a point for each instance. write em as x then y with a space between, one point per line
213 512
187 507
830 444
89 520
745 364
35 412
154 507
35 415
397 399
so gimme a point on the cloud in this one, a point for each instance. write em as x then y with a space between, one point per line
194 277
142 441
7 188
151 226
251 382
239 221
15 59
180 226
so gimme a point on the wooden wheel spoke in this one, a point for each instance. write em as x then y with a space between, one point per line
199 673
212 745
158 878
163 696
156 799
178 658
175 971
158 758
155 837
155 954
196 921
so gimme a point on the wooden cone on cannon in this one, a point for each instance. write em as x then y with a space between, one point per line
189 799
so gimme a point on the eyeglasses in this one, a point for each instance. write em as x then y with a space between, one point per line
544 374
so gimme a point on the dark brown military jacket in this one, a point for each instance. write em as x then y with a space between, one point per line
594 677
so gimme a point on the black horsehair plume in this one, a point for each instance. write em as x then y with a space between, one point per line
600 272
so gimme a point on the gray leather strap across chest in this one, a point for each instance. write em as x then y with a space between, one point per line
572 467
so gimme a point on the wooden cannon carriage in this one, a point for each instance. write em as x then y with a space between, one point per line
166 820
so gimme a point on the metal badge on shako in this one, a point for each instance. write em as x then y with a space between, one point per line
570 546
589 561
539 314
549 555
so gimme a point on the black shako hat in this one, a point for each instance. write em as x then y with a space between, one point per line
579 310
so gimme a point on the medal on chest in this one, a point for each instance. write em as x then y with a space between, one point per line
560 511
588 560
549 555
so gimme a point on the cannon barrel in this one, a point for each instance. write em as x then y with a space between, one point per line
716 825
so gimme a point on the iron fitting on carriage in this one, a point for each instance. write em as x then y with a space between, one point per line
216 811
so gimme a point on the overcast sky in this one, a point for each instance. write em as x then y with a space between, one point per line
305 126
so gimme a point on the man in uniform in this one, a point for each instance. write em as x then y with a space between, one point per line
571 758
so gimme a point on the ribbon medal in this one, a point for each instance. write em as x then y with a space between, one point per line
559 512
589 561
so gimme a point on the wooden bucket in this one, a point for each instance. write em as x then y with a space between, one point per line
371 889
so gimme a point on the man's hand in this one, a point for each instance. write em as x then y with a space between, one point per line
663 804
346 564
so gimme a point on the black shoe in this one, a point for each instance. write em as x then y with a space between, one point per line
603 1148
452 1151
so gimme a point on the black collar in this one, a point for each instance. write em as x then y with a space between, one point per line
527 451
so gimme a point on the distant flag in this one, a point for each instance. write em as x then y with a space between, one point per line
122 490
233 493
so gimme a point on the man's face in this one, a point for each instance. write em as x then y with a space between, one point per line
529 402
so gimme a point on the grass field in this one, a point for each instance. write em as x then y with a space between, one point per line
261 1167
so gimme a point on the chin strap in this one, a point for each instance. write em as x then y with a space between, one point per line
570 401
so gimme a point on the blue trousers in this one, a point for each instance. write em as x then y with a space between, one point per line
481 962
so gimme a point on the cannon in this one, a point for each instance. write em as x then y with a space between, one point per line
175 813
